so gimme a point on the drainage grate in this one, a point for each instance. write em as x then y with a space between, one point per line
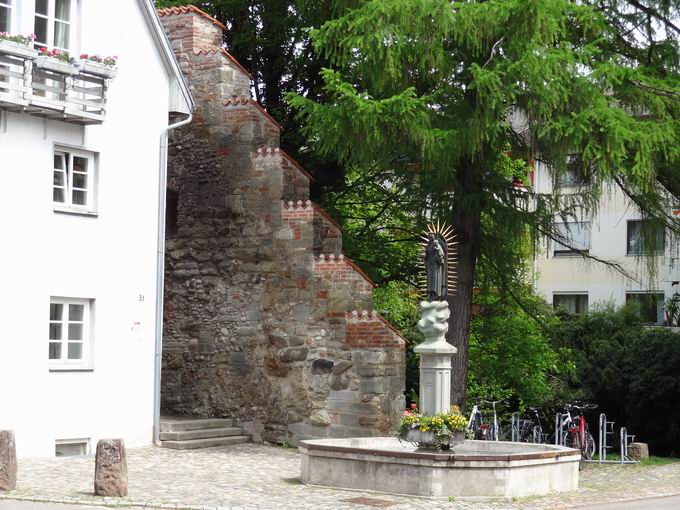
377 503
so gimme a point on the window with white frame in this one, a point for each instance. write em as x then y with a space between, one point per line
643 234
70 332
571 303
576 236
573 174
5 15
71 447
74 180
650 305
52 24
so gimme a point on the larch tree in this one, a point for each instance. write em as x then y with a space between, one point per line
452 103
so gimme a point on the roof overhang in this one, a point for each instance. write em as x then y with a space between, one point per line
180 101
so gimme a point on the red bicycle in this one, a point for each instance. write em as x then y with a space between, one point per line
577 434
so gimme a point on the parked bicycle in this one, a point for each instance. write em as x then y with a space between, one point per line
481 429
531 430
576 432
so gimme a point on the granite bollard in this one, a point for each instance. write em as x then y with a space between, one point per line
8 461
110 472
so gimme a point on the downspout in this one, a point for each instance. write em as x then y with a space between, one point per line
160 275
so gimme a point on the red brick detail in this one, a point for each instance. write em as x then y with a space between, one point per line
276 151
250 102
331 228
339 268
222 51
295 215
370 330
185 9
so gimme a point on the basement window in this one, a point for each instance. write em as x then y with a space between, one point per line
71 447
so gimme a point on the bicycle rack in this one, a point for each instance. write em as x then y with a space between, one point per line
626 439
514 428
606 429
559 429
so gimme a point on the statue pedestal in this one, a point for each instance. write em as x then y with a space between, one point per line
435 358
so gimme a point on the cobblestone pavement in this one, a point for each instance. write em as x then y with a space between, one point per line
253 476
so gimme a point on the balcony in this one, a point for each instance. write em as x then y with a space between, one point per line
51 88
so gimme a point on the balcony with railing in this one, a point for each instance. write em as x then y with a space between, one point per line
46 86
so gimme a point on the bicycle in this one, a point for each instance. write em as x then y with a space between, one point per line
481 429
577 434
495 426
531 429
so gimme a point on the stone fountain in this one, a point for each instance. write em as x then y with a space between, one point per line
473 469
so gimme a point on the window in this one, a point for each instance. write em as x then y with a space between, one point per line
643 233
5 15
70 332
572 303
52 24
74 180
651 305
71 447
576 235
573 175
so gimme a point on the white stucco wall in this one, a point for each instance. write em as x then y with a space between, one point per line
609 242
110 258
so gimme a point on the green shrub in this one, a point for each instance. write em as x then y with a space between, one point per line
632 372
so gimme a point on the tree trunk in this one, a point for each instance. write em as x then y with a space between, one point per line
466 221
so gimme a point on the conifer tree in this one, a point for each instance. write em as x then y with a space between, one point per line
455 101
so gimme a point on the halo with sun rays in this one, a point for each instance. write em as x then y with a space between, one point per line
446 234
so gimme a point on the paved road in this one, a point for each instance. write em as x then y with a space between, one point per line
671 503
20 505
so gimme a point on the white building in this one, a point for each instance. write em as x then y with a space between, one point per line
82 159
614 234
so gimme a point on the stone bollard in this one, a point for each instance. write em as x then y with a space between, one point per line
8 461
110 472
638 451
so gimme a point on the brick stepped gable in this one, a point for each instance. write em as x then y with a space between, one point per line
265 320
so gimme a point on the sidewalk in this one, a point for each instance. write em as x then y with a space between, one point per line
253 476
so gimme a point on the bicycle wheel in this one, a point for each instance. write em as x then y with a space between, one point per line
571 440
589 450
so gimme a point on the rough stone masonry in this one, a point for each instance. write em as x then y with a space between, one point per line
265 320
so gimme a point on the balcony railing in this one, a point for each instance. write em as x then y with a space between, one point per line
51 88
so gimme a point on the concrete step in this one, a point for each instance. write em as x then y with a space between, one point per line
192 444
182 424
186 435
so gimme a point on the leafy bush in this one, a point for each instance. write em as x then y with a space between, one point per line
631 371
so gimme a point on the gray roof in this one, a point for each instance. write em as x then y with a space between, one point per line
181 99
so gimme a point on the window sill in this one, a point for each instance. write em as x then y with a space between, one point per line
76 212
57 368
568 254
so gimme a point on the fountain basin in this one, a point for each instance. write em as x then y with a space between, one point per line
474 469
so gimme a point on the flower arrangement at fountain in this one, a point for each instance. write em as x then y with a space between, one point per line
439 431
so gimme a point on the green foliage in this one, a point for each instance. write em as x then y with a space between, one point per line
438 94
629 370
511 355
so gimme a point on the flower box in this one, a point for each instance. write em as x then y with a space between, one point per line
97 68
17 49
56 65
430 440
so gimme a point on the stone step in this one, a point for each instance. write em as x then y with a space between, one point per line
193 444
184 435
184 424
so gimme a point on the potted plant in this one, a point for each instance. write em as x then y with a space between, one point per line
18 45
98 65
57 61
441 431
